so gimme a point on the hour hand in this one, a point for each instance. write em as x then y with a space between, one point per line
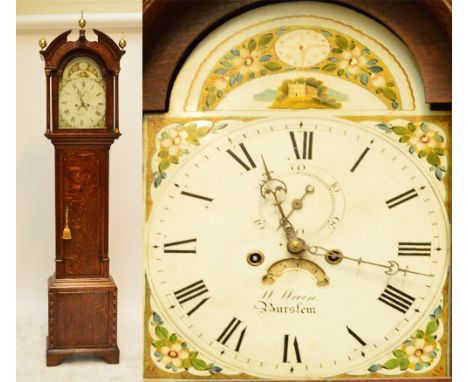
278 189
273 186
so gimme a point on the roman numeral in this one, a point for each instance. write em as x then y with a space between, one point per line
396 299
356 337
404 197
360 159
192 292
307 143
240 161
286 349
227 333
168 247
196 196
408 248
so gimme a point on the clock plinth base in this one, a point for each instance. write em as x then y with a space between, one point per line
82 319
56 356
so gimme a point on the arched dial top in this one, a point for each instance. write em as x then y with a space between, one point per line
343 187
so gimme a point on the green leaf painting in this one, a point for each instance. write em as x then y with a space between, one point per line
172 354
427 142
256 57
341 42
273 66
176 141
265 39
416 354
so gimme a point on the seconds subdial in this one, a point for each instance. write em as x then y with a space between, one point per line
314 203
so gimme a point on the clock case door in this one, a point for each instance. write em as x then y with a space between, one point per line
82 294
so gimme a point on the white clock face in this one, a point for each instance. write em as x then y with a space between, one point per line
301 48
82 96
215 235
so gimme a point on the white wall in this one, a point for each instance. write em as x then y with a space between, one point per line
35 178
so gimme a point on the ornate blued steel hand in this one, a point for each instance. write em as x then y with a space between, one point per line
278 189
298 203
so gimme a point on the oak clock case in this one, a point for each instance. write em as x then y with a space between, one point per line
82 124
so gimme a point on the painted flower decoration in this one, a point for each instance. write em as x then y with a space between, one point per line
419 351
378 81
256 57
247 61
221 83
175 141
426 141
352 60
174 355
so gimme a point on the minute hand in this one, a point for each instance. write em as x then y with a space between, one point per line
392 267
273 186
295 245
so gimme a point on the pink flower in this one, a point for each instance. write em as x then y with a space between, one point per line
422 140
352 60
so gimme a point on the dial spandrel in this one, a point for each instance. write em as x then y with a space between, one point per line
367 271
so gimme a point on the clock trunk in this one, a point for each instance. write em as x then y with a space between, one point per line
83 189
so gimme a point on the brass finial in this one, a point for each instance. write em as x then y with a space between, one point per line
122 43
82 21
42 42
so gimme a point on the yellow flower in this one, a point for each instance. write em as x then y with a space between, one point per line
418 351
247 61
352 60
174 354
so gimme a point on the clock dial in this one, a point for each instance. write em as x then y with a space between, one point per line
82 96
302 47
219 246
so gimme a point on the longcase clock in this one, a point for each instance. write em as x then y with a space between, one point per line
82 124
